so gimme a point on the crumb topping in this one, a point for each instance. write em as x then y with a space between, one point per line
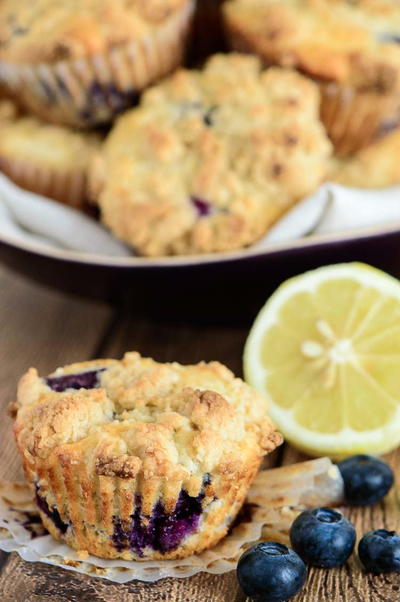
211 158
52 31
158 420
353 41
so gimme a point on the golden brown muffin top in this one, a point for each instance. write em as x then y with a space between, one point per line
211 158
25 138
353 41
139 417
53 30
28 139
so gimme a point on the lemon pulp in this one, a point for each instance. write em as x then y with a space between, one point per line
325 350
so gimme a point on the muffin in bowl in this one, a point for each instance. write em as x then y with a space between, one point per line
80 62
140 460
350 48
211 159
44 158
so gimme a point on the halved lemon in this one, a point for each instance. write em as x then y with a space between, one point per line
325 351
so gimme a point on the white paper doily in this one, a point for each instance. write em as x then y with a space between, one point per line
26 217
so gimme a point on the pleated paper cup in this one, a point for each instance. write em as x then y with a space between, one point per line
91 90
68 187
275 499
133 518
353 118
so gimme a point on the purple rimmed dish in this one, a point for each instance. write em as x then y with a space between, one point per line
222 287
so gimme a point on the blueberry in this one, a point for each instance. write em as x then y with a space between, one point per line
208 118
52 513
202 207
323 537
108 94
271 572
379 551
162 531
366 479
83 380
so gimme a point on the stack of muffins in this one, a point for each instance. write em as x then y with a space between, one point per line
351 50
207 159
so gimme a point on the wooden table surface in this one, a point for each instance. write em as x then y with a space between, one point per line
45 329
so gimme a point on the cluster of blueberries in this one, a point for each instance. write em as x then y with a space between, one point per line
323 537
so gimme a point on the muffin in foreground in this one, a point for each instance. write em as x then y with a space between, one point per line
81 62
211 158
140 460
350 48
46 159
376 166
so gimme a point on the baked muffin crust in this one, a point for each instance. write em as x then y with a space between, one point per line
353 42
28 139
51 31
211 158
47 159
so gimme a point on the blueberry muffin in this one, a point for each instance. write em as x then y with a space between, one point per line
350 47
376 166
80 62
47 159
140 460
211 158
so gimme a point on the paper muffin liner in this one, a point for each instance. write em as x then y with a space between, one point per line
68 187
275 498
353 118
101 513
91 90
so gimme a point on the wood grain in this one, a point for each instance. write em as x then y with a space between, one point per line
27 582
350 583
45 329
179 342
